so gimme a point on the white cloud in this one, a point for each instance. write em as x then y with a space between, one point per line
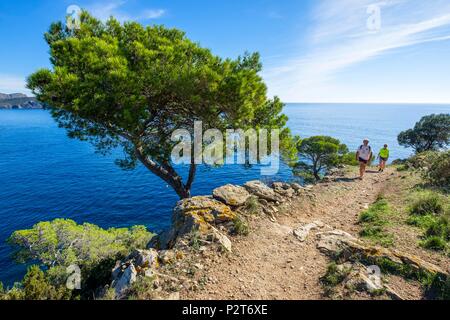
105 9
152 14
12 84
340 39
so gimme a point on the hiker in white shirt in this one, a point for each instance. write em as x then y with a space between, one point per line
363 155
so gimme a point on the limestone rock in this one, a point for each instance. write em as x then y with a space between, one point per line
296 187
332 242
262 191
203 210
283 189
167 257
222 239
126 279
145 258
302 232
231 195
281 186
361 279
199 214
339 242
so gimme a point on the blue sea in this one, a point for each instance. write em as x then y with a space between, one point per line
44 175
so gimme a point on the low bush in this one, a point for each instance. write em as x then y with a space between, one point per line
438 172
434 165
62 243
430 211
241 227
427 203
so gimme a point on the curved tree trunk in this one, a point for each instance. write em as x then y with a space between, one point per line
169 175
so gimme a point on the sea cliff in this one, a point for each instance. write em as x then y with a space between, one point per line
18 101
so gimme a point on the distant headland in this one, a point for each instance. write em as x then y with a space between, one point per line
18 101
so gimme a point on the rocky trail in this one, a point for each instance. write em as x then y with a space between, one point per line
280 259
288 242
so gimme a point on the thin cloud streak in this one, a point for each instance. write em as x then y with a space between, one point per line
115 8
340 41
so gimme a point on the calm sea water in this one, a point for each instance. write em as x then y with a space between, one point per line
44 175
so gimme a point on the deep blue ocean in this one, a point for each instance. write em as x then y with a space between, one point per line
44 175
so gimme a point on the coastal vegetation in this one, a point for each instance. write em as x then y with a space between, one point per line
130 86
406 209
59 244
430 211
431 133
319 154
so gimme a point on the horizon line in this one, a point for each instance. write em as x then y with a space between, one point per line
367 102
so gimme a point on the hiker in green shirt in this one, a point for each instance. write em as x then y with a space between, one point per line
384 157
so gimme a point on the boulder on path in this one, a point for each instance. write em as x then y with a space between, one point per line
302 232
221 239
333 242
232 195
297 187
338 242
284 189
262 191
197 214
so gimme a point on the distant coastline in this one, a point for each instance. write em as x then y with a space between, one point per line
17 101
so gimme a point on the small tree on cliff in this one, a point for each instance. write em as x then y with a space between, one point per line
431 133
131 86
319 153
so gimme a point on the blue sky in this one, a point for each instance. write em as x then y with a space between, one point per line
312 50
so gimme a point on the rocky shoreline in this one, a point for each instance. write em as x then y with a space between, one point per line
203 232
18 101
210 219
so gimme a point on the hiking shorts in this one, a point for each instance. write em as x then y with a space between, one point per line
363 161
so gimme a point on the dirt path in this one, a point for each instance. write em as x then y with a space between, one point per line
271 263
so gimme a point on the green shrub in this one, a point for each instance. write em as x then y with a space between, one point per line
440 228
423 222
241 227
438 172
334 275
434 165
252 205
142 289
434 243
428 203
36 285
442 288
349 159
422 160
61 243
431 213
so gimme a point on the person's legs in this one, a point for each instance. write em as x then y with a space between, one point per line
362 169
383 165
